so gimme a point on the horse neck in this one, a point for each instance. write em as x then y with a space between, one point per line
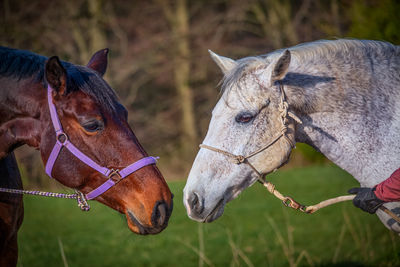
9 174
352 121
21 98
22 106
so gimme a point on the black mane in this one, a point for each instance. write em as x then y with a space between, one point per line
20 64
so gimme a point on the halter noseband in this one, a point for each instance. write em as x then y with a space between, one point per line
114 175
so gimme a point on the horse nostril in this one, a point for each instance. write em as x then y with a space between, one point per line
160 214
196 204
163 214
195 199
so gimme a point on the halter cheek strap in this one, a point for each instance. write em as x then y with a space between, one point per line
114 176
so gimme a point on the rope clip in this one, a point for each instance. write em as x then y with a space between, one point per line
290 202
82 201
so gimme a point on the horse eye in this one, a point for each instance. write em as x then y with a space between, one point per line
93 126
244 118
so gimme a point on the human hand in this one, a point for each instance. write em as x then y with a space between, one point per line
366 199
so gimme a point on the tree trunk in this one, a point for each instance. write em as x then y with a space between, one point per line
87 31
97 36
181 73
178 19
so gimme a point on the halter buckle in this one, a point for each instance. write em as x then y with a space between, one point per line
115 176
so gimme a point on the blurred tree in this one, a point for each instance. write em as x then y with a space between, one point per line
277 22
178 20
159 64
87 31
375 19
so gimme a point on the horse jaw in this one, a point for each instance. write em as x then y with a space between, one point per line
215 179
209 188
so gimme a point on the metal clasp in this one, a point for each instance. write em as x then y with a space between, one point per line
115 176
290 202
82 201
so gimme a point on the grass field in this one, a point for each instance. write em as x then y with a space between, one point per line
256 230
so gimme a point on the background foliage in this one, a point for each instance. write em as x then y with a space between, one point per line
160 68
159 64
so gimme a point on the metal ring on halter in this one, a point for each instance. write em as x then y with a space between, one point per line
62 138
240 159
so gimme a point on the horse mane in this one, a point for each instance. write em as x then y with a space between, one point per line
324 47
20 64
307 51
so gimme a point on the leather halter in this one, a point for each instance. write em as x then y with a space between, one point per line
239 159
287 201
114 175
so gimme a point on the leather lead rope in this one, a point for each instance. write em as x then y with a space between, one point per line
286 200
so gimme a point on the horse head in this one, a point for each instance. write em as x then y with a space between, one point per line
246 127
96 123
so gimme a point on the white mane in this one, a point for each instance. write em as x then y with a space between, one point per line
307 52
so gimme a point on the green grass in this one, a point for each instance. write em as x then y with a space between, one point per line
256 230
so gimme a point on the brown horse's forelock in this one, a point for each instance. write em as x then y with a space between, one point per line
88 81
20 64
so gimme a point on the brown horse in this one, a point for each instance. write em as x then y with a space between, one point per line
94 121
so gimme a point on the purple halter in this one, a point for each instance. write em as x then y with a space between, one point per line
114 176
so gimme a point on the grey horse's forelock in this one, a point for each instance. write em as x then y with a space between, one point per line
244 66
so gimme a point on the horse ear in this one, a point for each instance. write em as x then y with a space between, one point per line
281 67
224 63
55 75
98 62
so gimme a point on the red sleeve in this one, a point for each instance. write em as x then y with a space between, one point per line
389 190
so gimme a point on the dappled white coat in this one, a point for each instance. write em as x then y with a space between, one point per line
346 92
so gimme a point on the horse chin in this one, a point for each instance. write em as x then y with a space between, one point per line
232 193
216 212
137 227
219 208
213 211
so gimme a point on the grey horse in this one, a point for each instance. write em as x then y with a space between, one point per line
345 92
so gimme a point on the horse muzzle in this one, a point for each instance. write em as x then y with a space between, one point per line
197 210
159 219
